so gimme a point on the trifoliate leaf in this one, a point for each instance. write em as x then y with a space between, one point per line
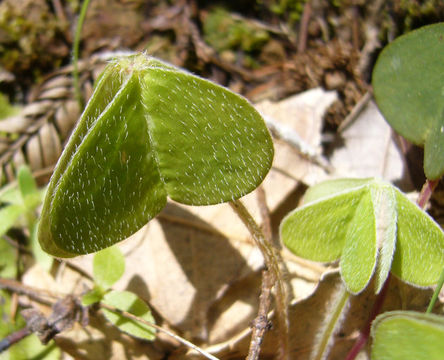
372 227
150 131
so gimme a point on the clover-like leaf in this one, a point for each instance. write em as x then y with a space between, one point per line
400 335
408 85
108 267
150 130
9 215
372 228
129 302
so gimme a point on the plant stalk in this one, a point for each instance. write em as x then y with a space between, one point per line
436 293
272 262
365 332
331 324
75 52
423 199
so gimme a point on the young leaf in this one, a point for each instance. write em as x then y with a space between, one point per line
93 296
32 348
9 215
401 335
26 181
408 87
129 302
108 267
31 196
372 227
8 263
150 131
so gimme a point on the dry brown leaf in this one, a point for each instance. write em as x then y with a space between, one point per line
369 149
307 315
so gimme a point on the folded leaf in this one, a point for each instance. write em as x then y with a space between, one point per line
150 131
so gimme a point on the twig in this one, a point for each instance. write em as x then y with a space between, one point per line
14 338
33 293
260 323
272 261
159 328
303 28
355 27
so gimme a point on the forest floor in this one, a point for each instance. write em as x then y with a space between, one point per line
306 66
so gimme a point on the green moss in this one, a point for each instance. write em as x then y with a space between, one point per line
288 10
32 37
223 32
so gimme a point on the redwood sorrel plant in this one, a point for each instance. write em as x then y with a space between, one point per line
369 224
152 131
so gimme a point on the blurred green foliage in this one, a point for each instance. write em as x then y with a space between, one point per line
6 109
225 33
287 10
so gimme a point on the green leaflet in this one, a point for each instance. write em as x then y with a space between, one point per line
108 267
400 335
149 131
408 86
129 302
372 227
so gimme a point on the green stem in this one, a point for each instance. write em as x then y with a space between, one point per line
331 323
75 52
436 293
272 260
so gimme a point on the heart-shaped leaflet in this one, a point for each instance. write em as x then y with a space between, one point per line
150 131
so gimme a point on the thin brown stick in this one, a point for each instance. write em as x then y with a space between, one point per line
260 323
159 328
273 263
303 28
42 296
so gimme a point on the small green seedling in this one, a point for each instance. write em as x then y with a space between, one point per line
20 200
403 335
150 131
20 203
108 268
372 227
408 84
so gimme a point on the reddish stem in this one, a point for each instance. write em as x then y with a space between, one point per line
426 192
365 332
